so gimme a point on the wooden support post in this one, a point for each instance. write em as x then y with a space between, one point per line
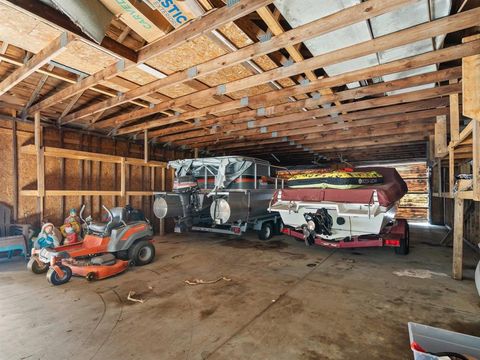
145 145
162 221
62 174
15 166
40 165
431 149
471 82
457 269
122 177
441 136
439 172
195 153
115 174
476 159
451 169
454 115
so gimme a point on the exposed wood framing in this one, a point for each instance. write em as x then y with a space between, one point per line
257 101
471 82
381 43
441 136
457 268
324 25
454 114
176 38
476 159
80 86
37 91
37 61
89 157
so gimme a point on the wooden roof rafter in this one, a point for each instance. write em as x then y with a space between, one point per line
335 21
169 41
426 30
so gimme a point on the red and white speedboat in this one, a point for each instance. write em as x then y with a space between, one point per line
360 217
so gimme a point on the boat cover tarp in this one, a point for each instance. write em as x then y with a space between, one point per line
392 190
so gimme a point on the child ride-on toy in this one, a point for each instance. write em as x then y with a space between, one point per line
106 250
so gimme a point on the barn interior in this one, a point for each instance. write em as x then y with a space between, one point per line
98 97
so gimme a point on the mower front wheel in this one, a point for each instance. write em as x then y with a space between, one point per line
36 267
54 279
142 253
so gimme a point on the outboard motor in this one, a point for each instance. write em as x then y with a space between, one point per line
183 204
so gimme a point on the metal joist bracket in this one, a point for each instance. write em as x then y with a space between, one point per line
221 89
304 82
261 111
288 62
244 101
285 139
192 72
316 95
230 3
274 134
263 129
266 36
250 124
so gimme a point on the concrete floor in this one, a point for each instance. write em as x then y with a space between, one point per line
284 301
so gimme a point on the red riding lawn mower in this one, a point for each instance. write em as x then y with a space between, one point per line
107 249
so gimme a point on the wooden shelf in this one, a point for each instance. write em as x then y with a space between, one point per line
85 155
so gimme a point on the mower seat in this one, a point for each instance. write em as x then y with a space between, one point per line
119 216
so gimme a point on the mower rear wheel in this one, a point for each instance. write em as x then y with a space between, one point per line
36 267
54 279
142 253
404 247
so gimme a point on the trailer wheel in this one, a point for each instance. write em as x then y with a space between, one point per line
266 232
404 247
278 227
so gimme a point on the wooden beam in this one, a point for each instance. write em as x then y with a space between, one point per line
15 167
79 87
228 128
457 267
252 114
276 28
193 29
442 55
145 146
122 177
89 156
471 82
36 92
69 80
454 115
176 38
374 117
40 157
37 61
476 159
45 13
316 28
441 148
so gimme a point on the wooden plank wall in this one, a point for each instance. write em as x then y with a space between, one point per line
414 205
91 175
